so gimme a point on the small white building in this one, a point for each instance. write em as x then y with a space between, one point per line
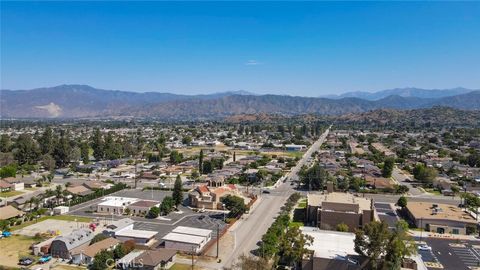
60 210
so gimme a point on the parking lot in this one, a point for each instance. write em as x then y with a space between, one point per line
203 221
387 213
452 254
185 217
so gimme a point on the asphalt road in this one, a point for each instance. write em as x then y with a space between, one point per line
250 230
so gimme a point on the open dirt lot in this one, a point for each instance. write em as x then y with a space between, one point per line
62 226
14 247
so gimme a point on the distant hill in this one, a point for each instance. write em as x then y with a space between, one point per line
404 92
437 116
81 101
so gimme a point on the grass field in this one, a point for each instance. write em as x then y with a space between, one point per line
66 218
10 193
13 248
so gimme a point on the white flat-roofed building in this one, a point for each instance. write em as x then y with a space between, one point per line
115 205
140 237
184 242
331 250
193 231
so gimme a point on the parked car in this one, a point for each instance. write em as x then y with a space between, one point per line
45 258
6 234
266 191
424 248
25 261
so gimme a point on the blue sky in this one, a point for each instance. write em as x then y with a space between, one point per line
305 48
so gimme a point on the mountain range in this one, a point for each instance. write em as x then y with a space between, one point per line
404 92
82 101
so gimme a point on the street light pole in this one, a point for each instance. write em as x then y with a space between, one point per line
218 238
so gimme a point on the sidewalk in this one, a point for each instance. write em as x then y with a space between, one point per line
443 236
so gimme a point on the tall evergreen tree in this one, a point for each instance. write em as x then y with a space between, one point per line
61 151
177 191
97 145
200 162
84 152
46 141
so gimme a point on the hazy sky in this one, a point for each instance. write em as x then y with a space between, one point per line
305 48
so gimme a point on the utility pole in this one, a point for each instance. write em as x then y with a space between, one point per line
218 239
193 257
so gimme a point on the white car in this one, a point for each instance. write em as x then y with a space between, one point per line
424 247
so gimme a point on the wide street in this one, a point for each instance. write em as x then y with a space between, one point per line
249 231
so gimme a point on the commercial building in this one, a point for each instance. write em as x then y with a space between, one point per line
441 218
115 205
142 207
63 246
187 239
141 237
328 210
331 250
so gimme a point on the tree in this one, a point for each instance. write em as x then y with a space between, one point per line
402 202
371 241
153 212
424 174
5 143
97 145
388 165
119 251
294 246
314 177
48 162
25 149
207 167
177 193
167 205
85 152
46 141
8 171
400 245
342 227
186 140
176 157
235 205
200 162
62 150
102 260
97 238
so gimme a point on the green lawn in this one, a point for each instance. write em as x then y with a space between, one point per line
10 193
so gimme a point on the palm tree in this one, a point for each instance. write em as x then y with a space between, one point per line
36 202
58 193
